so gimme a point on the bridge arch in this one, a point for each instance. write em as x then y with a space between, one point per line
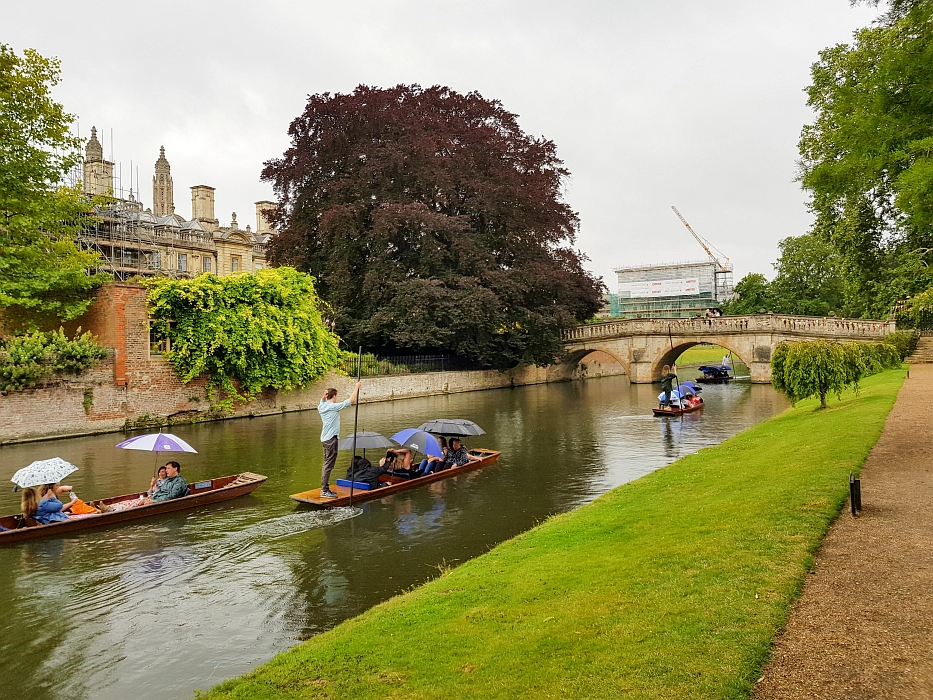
575 357
670 356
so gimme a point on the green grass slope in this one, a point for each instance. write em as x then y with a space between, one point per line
672 586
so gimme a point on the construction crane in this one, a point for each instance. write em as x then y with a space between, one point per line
707 246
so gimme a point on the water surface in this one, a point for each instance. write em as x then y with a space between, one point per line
159 608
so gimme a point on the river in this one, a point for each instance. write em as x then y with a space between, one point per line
160 608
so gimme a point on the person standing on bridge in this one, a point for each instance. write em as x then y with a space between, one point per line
330 410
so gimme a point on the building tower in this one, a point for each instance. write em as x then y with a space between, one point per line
98 173
202 207
263 209
163 202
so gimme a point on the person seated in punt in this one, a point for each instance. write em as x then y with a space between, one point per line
363 470
43 506
157 481
457 455
429 463
174 485
397 461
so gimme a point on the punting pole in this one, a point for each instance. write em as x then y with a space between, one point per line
356 420
670 337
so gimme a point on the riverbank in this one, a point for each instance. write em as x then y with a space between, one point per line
879 642
153 397
671 586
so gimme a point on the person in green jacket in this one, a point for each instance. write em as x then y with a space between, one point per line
174 485
668 375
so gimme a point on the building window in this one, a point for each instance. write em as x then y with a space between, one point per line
205 264
159 340
127 258
155 260
258 266
182 262
235 263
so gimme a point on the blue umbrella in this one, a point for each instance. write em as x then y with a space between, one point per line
418 441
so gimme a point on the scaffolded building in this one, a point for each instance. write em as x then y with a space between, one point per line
133 241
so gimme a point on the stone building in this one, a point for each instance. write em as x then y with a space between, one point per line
157 241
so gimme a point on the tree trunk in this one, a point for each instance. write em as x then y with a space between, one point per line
822 399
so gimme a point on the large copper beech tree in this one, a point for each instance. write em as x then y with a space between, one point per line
432 222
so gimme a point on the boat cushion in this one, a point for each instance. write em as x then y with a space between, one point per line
357 485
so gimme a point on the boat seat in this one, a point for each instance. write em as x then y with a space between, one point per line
357 485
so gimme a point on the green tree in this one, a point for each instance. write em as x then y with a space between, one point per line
867 160
808 279
815 368
432 222
752 294
43 272
246 332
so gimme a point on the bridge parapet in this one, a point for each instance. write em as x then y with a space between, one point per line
809 326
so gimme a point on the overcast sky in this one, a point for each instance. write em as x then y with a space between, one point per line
697 104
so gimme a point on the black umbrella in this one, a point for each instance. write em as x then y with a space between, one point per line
451 426
366 440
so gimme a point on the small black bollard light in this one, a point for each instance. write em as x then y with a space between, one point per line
855 494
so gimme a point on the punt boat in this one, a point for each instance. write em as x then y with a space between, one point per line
201 493
673 411
394 484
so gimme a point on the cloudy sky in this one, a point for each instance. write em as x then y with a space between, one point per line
696 104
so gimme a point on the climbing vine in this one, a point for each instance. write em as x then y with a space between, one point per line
246 332
28 360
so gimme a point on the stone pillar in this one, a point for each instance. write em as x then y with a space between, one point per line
262 223
202 207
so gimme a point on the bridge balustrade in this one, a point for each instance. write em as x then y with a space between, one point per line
829 327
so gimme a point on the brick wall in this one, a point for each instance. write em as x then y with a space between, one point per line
135 389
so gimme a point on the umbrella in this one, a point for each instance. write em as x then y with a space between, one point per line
157 442
43 471
418 441
451 426
366 440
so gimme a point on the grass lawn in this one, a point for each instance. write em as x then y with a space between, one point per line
703 355
672 586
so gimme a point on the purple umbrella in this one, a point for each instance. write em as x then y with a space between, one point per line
157 442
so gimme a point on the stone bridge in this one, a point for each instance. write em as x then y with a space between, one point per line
644 346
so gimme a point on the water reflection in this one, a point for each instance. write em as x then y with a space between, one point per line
218 590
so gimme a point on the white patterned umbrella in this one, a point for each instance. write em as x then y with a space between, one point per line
43 471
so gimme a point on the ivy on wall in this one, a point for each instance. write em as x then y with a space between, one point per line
246 332
29 360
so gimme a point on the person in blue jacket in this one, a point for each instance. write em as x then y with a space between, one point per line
49 508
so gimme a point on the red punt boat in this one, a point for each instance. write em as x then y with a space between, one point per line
672 411
202 493
394 484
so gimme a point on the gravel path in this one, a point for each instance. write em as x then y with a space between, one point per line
863 627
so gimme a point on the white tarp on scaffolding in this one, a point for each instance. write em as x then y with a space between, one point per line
659 288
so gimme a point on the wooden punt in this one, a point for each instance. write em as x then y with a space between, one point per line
713 380
677 411
202 493
395 484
